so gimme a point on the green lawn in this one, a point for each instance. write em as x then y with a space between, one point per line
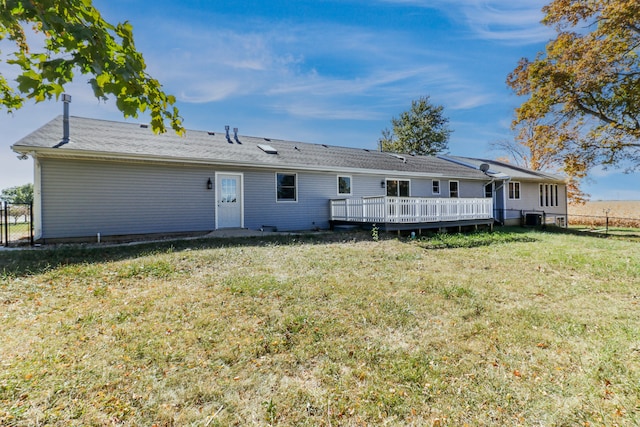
514 328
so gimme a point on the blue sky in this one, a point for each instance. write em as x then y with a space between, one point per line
323 71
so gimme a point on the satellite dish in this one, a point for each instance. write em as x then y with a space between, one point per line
484 167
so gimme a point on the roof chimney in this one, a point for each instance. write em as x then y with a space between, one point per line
66 100
235 135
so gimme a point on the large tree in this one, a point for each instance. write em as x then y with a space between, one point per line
22 194
541 146
421 130
78 40
588 79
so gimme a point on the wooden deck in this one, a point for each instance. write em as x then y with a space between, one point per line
411 213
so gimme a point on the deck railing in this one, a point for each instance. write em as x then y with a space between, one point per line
384 209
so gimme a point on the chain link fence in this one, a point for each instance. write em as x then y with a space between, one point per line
16 224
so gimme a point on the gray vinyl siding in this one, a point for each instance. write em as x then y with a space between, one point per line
309 211
530 202
530 199
314 191
83 198
466 189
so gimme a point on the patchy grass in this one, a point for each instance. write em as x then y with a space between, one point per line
514 328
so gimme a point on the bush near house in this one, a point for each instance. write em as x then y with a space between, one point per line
514 328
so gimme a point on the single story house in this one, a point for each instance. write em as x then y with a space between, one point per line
521 195
112 179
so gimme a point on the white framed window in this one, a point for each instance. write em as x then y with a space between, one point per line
548 195
344 185
454 189
435 186
398 187
286 187
514 190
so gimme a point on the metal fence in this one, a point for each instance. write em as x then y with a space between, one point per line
16 224
603 222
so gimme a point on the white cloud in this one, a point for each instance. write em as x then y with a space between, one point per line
303 70
511 22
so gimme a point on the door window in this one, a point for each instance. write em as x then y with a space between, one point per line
228 190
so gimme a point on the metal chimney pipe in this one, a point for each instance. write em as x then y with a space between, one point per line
66 100
226 129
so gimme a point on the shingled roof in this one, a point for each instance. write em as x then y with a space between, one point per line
100 139
501 169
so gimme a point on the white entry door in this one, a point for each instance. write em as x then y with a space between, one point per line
229 200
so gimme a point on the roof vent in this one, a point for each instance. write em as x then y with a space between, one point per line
267 139
267 149
226 129
143 126
211 133
235 136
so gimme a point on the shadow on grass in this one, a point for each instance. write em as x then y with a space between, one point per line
35 261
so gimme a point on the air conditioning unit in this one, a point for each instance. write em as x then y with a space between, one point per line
532 219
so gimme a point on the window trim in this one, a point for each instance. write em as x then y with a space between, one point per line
491 190
386 186
519 190
548 195
295 187
457 196
350 193
433 186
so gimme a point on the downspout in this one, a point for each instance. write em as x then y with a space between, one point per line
36 213
504 199
484 167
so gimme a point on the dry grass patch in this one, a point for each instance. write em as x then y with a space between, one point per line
527 329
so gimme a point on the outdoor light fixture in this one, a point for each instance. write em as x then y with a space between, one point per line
209 184
381 184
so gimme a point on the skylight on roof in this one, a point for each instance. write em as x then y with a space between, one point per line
399 157
267 149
